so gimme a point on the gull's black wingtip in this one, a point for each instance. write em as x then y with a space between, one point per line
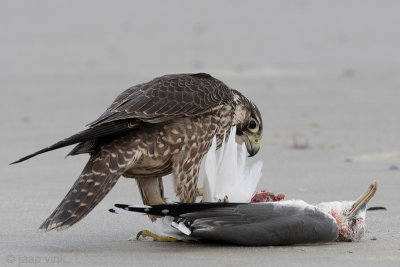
121 206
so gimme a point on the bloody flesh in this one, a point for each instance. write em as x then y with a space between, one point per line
264 196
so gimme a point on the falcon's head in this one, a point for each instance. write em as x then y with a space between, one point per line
247 119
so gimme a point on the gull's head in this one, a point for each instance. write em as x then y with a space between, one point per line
350 215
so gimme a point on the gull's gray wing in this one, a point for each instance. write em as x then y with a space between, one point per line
264 224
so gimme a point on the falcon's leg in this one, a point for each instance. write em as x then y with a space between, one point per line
152 192
186 173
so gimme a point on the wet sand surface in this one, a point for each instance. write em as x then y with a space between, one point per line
325 75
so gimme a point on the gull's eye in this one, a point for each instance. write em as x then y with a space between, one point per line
253 125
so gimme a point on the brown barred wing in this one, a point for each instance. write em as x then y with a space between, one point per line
168 97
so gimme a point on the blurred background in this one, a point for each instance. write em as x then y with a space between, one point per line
325 75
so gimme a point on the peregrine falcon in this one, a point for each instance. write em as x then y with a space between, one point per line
151 130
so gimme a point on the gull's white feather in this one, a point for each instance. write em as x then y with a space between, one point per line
229 176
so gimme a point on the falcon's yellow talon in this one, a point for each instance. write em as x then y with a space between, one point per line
200 192
159 238
224 200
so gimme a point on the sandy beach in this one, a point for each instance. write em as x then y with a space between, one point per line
325 75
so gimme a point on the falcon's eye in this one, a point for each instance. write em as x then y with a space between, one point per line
253 126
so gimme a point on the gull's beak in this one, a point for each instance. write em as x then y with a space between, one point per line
253 143
362 201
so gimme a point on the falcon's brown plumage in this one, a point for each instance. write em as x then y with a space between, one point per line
150 130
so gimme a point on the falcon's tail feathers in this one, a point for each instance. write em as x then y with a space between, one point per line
96 180
90 134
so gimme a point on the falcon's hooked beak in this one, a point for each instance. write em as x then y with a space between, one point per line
362 201
252 144
250 134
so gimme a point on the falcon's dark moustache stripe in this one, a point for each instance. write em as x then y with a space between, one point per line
111 128
174 209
